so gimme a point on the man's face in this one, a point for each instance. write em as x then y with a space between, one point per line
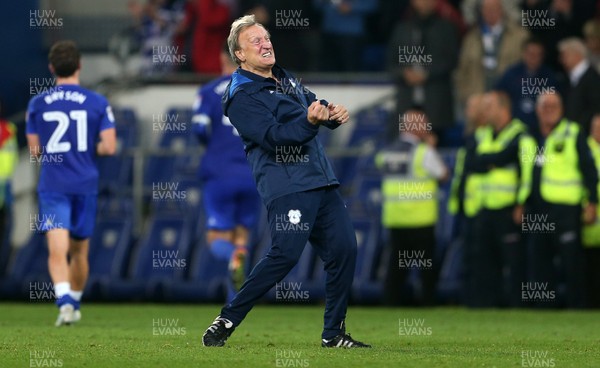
416 123
595 129
492 108
533 55
256 50
423 7
474 109
549 112
491 11
569 59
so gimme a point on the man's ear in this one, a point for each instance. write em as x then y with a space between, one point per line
51 68
240 55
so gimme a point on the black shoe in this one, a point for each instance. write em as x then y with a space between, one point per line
217 333
343 340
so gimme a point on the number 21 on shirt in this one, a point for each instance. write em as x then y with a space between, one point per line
54 143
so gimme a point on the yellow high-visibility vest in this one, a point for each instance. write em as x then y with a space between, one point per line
561 180
501 186
409 200
8 159
591 233
472 195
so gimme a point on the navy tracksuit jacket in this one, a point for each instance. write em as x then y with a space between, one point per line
298 187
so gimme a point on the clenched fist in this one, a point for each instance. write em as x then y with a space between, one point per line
317 113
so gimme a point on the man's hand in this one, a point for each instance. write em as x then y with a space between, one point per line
338 113
589 214
517 214
414 77
317 113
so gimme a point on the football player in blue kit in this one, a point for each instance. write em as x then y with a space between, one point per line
230 199
67 128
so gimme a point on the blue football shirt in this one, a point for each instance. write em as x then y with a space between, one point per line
224 156
68 120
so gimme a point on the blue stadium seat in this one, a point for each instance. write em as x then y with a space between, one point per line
175 136
30 264
207 279
370 123
366 287
116 171
125 115
109 252
184 202
368 189
162 255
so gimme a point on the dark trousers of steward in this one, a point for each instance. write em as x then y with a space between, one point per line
557 256
498 259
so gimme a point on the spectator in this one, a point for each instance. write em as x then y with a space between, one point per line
582 96
285 20
447 11
210 20
411 167
386 17
591 32
343 30
156 25
564 170
525 80
591 232
488 50
566 16
421 63
470 10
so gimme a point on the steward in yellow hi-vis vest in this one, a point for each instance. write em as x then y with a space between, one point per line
464 199
411 169
8 162
591 232
8 157
504 183
563 177
465 191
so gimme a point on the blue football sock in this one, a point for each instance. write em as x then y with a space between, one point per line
67 299
222 249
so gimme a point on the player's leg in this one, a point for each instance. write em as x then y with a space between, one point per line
221 246
334 240
220 243
219 206
55 221
248 207
83 218
291 219
58 267
78 271
237 263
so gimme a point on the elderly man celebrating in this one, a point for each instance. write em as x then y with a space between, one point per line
278 120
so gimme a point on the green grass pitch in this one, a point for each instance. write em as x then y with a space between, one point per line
150 335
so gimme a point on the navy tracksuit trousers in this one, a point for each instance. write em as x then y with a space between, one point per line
325 222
